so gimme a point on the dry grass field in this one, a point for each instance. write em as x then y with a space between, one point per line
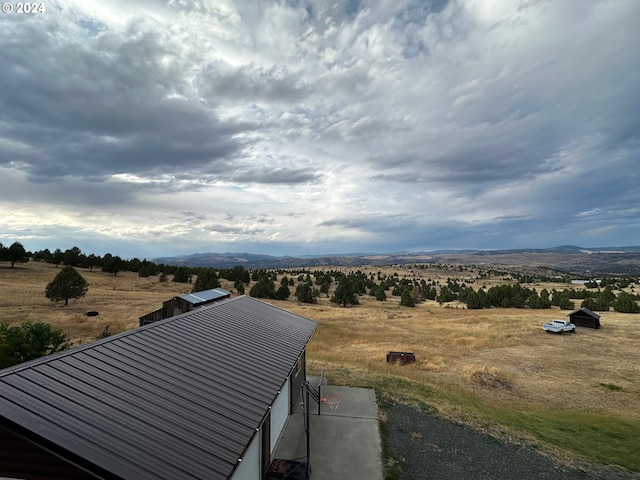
119 300
502 355
494 368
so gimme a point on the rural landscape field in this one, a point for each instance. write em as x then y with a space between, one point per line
575 396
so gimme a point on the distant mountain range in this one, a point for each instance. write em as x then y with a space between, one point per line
568 258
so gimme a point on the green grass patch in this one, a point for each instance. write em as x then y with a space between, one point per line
596 436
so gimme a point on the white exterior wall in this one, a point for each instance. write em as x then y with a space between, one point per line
249 468
279 413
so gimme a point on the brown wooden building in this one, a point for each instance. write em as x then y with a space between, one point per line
183 304
584 317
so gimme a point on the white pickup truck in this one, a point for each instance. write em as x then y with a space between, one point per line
559 326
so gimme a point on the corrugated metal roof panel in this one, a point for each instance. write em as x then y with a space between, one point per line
205 296
180 398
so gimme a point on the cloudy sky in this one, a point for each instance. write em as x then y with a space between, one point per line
311 127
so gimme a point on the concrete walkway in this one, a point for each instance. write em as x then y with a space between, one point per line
344 442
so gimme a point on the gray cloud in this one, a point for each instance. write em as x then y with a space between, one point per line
103 109
275 175
251 83
381 125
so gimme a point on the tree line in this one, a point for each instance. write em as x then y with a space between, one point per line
352 285
349 286
113 264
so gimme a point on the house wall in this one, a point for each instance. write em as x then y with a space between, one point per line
258 455
279 414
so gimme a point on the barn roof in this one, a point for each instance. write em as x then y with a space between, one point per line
180 398
205 295
586 311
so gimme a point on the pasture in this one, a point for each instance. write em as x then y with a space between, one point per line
575 394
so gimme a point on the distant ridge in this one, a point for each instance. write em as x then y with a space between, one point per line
569 258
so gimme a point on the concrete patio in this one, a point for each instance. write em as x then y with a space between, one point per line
344 442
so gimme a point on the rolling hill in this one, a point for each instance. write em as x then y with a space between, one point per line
566 258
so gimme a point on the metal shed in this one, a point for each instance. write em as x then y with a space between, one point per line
201 395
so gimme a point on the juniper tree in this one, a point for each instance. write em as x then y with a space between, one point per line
206 280
304 293
345 293
68 283
15 253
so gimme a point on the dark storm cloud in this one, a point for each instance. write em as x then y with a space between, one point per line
66 191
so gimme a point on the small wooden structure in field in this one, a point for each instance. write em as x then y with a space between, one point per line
403 357
184 303
584 317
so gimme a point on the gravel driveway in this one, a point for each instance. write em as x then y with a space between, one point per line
429 447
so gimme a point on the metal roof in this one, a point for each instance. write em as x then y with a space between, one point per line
205 295
585 310
180 398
